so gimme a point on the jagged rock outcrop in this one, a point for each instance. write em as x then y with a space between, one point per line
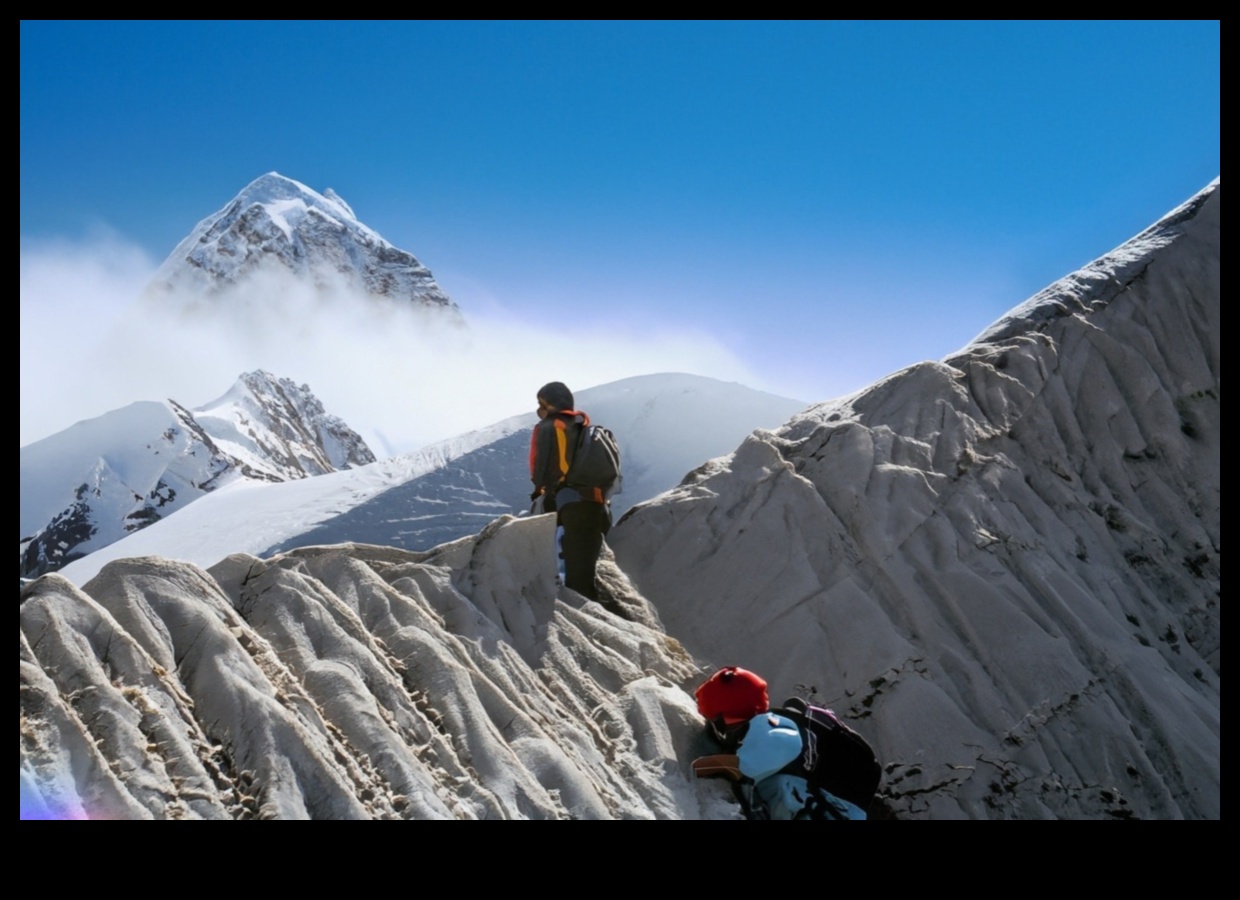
355 682
1003 567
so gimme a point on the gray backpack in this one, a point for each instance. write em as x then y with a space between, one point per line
595 470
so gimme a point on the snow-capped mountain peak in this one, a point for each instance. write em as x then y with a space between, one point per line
283 224
104 478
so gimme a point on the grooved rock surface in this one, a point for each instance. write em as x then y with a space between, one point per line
1004 567
355 682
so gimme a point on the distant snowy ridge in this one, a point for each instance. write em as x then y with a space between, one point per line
278 222
100 480
667 424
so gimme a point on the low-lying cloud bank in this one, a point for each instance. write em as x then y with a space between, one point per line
403 377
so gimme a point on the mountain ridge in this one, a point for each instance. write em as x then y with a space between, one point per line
1005 565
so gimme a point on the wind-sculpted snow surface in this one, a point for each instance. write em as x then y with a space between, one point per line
355 682
1004 567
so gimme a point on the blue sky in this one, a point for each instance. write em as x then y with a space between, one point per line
826 201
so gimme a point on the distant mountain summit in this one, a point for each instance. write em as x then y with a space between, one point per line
279 223
104 478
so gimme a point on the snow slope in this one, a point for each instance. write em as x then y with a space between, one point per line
667 424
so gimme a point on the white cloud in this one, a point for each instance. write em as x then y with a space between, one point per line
399 376
70 294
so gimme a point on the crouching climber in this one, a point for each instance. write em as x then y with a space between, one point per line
796 761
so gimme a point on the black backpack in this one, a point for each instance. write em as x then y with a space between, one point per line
834 761
833 756
595 470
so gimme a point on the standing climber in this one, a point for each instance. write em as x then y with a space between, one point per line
583 514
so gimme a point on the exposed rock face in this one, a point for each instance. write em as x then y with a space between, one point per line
103 479
355 682
280 224
1004 567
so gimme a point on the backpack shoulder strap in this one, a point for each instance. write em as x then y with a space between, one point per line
720 765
